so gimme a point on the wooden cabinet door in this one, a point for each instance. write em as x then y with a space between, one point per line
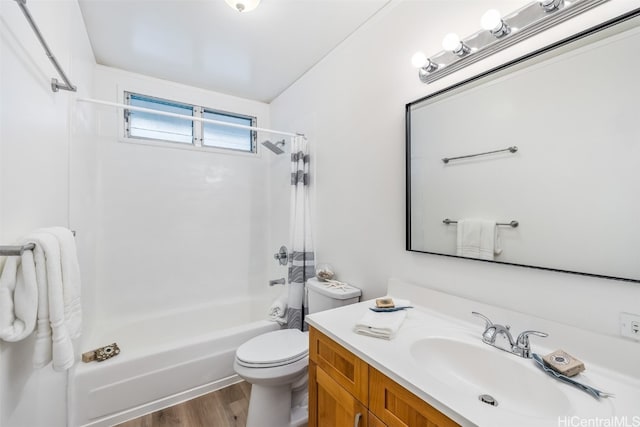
398 407
375 421
330 405
340 364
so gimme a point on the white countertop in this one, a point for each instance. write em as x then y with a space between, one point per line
394 359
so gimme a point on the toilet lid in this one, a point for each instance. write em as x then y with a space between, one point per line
275 348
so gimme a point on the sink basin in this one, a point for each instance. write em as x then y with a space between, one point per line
474 369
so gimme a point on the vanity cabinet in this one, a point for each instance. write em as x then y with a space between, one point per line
345 391
334 405
398 407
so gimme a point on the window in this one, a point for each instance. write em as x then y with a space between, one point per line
150 126
153 126
227 136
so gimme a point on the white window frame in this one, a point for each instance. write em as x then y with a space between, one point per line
197 127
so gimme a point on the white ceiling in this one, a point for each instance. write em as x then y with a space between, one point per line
204 43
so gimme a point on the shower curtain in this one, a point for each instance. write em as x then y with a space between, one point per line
301 258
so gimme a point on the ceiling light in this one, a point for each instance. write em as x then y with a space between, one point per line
243 5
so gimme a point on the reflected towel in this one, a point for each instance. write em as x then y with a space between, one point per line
478 238
383 325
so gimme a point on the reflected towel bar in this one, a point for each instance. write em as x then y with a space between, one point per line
17 250
513 224
511 149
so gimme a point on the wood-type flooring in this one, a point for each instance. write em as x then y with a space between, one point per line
223 408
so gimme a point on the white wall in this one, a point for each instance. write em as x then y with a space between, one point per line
42 144
176 227
351 105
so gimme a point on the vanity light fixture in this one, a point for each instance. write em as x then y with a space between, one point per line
492 22
423 64
452 43
497 33
551 5
243 5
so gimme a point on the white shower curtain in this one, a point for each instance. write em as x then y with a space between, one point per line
301 258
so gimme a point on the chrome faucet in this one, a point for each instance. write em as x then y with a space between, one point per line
520 346
280 281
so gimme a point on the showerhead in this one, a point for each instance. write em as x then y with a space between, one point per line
275 147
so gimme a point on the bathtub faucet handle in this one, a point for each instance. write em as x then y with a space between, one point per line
281 256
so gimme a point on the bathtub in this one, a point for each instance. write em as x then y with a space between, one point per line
163 360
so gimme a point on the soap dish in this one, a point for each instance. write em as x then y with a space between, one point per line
388 309
591 390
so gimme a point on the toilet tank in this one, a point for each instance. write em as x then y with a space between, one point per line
322 296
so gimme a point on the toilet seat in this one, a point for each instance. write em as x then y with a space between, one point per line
273 349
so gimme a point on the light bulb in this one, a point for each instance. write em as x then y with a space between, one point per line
419 59
551 5
243 5
491 20
451 42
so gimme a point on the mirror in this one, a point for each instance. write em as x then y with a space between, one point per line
573 185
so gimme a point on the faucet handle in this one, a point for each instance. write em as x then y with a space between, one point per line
523 341
523 338
488 323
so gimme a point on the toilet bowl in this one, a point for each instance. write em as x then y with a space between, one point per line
276 364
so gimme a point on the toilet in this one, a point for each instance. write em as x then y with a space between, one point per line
276 363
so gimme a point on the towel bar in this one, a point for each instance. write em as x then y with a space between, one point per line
17 250
513 224
511 149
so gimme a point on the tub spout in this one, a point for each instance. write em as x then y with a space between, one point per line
280 281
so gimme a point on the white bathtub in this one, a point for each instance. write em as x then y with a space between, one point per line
164 360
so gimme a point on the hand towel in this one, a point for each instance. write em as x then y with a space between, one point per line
478 238
278 309
70 279
53 342
382 325
18 297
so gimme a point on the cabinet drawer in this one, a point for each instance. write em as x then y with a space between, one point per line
335 406
397 407
345 368
375 421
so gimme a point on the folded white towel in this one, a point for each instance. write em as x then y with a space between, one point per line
53 342
41 290
18 297
70 279
382 324
278 309
478 238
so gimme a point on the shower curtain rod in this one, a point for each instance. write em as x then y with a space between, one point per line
182 116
